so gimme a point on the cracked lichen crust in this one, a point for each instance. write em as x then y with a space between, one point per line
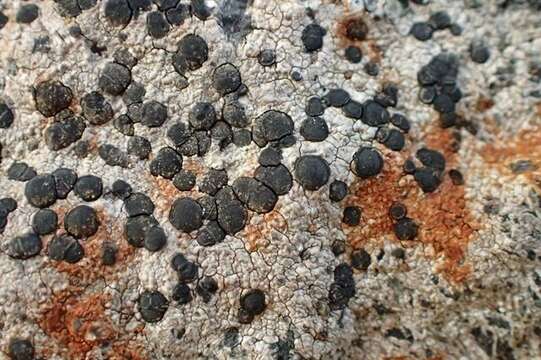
257 179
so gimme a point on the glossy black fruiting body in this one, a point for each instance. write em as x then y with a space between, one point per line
64 179
138 204
312 171
6 115
278 178
20 171
343 287
152 306
155 239
314 129
406 229
184 180
113 156
272 126
157 25
96 109
20 349
254 194
167 163
253 302
181 294
360 259
51 97
65 248
139 147
367 162
88 187
27 13
135 229
118 12
351 215
40 191
353 54
114 78
64 131
121 189
186 215
422 31
153 114
226 79
82 221
202 116
192 53
338 190
24 246
312 37
206 288
44 221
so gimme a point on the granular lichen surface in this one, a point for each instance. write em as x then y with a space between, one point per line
247 179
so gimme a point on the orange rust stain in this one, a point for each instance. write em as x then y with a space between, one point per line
375 196
436 357
404 357
256 235
445 222
90 268
526 145
446 225
354 30
483 104
164 193
195 166
78 324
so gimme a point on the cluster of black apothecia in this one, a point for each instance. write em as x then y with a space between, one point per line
223 209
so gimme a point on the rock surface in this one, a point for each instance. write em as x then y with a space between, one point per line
282 264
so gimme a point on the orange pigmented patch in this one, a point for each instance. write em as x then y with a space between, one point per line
375 196
79 324
483 104
257 235
90 268
354 30
445 222
525 146
164 193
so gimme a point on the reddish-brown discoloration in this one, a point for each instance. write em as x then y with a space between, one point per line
483 104
524 146
257 235
164 193
446 225
445 221
194 166
76 321
375 196
367 44
78 324
90 268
